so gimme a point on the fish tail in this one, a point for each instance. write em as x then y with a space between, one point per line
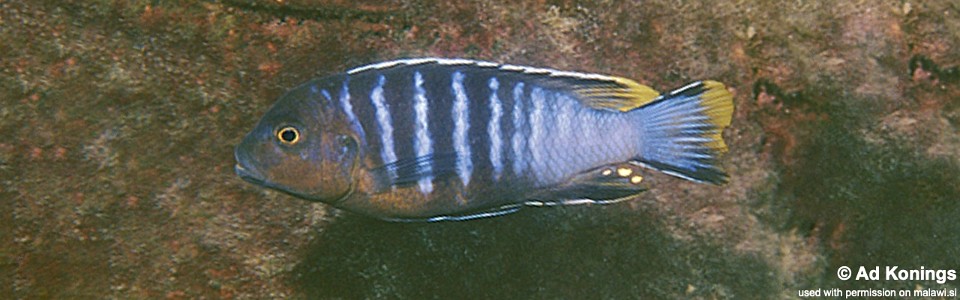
680 132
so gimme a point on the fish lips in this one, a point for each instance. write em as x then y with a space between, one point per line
248 176
247 170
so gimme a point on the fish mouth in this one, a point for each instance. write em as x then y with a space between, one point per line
254 178
248 176
247 169
243 168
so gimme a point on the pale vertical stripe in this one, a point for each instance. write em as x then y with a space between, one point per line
565 160
461 124
348 110
564 115
518 137
422 142
326 94
493 129
385 125
536 129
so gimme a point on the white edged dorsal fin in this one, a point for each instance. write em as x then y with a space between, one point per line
593 90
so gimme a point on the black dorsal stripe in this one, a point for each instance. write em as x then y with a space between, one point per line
477 89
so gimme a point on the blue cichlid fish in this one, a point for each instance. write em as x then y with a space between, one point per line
436 139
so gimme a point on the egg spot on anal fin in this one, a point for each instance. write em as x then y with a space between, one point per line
603 185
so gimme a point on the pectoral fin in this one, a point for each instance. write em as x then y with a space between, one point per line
405 172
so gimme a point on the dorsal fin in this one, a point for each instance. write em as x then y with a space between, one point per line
593 90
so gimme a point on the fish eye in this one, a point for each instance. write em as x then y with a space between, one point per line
288 135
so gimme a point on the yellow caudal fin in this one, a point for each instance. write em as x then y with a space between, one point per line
681 131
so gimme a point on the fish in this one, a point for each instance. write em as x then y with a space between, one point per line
447 139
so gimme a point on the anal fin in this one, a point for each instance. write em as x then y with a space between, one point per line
604 185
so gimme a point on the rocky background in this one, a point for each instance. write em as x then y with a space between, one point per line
118 121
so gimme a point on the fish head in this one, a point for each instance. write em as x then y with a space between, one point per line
301 147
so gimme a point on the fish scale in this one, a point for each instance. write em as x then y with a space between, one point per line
436 139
